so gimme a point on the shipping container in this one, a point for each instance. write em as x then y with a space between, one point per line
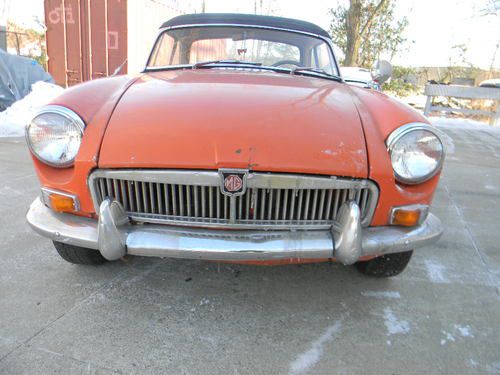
89 39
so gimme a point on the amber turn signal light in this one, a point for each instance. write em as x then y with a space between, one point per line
60 201
409 216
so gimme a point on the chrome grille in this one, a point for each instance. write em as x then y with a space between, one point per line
194 198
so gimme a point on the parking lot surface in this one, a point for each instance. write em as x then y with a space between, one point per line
141 315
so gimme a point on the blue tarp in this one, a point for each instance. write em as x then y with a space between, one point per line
17 74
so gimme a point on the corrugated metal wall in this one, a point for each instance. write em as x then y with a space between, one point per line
86 39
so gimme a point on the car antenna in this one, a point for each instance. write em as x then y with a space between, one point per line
118 70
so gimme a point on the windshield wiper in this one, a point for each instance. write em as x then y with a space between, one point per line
304 69
238 62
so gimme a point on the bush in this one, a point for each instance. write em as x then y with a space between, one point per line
400 84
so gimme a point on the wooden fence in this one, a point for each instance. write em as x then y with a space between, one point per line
464 92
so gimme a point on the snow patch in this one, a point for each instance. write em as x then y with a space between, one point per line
464 331
381 294
462 123
415 100
393 324
14 119
435 271
311 356
448 337
454 122
473 363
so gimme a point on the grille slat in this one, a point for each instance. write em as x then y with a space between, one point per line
364 200
306 209
145 200
159 198
166 201
336 204
188 197
285 204
130 196
247 203
211 201
138 195
255 205
203 200
152 197
292 208
277 205
270 205
218 204
263 204
299 204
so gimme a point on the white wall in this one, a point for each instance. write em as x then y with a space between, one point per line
144 17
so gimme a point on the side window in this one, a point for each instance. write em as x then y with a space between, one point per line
166 52
321 59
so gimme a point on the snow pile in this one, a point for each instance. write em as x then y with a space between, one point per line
415 100
18 115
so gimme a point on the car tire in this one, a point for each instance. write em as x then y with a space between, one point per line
79 255
386 265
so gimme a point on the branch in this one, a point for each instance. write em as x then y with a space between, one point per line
372 16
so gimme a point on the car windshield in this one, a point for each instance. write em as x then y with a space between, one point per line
236 45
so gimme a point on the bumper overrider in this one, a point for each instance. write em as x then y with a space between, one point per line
115 236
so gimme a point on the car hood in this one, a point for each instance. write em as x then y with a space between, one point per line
215 118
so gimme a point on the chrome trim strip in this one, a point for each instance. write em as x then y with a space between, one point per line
114 237
254 180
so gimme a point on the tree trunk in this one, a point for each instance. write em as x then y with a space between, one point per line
353 36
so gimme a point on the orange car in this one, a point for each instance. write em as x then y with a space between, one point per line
238 142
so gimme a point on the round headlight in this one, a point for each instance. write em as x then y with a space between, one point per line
54 136
416 152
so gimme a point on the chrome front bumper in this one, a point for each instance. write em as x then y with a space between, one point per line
114 236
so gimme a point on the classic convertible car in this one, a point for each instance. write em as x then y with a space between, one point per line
238 142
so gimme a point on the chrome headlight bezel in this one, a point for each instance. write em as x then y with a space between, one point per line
67 114
404 130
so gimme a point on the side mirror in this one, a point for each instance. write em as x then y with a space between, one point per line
382 71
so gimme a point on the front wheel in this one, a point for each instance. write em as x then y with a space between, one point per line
386 265
79 255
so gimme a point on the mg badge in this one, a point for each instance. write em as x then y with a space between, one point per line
233 181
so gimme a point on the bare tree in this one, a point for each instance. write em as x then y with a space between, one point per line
492 8
365 29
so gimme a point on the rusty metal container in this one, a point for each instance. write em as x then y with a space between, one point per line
89 39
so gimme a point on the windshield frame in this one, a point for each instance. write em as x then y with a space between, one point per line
148 68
